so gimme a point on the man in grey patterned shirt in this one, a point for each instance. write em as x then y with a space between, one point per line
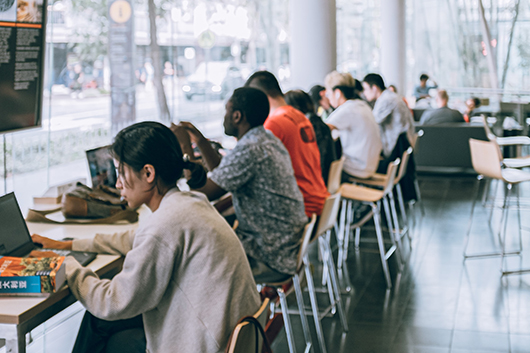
258 172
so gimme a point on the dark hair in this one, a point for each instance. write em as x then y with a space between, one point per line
300 100
424 77
153 143
252 103
477 102
314 93
375 79
394 88
266 82
350 92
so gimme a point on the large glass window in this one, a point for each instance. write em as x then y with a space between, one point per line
203 50
447 40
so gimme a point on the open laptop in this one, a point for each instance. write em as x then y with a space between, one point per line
101 166
15 239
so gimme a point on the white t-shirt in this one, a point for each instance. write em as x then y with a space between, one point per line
360 137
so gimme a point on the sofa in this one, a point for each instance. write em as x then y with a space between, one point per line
445 148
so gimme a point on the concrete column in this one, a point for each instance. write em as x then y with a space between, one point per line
393 44
313 46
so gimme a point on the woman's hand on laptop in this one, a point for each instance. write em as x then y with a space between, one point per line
48 243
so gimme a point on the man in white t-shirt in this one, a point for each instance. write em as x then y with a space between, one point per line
356 125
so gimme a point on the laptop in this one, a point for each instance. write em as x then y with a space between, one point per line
15 239
101 166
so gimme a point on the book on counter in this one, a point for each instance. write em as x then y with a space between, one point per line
31 276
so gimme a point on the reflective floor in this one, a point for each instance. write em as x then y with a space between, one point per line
439 303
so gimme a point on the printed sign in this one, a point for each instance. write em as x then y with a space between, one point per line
21 62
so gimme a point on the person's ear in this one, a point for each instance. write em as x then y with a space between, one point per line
149 172
237 117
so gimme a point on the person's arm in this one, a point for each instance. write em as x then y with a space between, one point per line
119 243
211 190
185 144
48 243
332 127
138 288
210 157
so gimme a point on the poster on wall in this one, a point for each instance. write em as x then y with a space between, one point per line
21 63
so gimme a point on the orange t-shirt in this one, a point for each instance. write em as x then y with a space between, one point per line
298 137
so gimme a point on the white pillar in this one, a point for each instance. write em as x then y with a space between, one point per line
393 44
313 46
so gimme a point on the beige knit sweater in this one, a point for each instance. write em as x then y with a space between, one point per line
185 271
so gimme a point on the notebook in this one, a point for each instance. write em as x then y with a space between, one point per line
15 239
101 166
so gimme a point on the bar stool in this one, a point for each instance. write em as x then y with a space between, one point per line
374 198
325 224
486 160
504 141
279 287
379 180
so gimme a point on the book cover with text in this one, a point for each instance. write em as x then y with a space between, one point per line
31 276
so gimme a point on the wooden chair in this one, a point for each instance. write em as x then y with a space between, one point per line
378 180
505 141
335 175
486 160
373 198
245 337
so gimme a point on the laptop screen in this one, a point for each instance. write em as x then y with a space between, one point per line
101 165
14 235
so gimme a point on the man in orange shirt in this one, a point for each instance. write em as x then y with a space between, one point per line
297 134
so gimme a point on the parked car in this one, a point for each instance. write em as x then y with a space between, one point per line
217 80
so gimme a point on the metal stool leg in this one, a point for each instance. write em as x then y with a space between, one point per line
380 242
401 203
392 232
357 237
334 282
398 230
301 308
314 305
418 195
287 321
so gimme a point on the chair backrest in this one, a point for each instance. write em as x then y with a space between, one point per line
329 214
306 238
485 157
415 138
244 335
390 176
489 134
403 166
335 175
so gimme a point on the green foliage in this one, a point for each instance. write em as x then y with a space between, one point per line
66 146
92 30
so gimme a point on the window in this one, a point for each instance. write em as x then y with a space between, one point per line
204 50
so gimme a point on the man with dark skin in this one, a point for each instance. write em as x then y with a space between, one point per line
258 173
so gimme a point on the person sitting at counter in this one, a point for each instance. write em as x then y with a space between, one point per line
353 119
258 172
185 281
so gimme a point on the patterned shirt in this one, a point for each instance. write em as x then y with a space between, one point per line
267 202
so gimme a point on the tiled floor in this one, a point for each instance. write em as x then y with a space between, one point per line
439 303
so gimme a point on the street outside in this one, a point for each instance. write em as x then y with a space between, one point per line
92 111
